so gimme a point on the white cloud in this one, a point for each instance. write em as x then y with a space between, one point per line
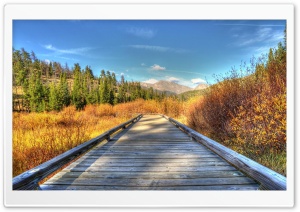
47 61
151 81
198 81
151 48
76 51
159 48
49 46
143 64
122 73
156 67
173 79
141 32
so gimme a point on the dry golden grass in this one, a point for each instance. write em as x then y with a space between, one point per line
38 137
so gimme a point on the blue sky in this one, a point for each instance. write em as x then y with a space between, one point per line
188 52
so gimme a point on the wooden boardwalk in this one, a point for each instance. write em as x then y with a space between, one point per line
152 154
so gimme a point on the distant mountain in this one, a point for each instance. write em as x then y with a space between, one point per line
201 86
167 86
172 87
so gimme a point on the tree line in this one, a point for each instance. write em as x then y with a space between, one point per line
46 86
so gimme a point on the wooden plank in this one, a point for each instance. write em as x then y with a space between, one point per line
153 145
154 148
173 188
138 146
153 137
153 169
141 155
146 164
149 151
149 160
168 140
145 144
151 182
152 162
153 142
163 128
153 157
150 175
133 144
157 132
267 177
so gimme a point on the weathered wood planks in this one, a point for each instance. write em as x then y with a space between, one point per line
150 182
173 188
149 175
152 155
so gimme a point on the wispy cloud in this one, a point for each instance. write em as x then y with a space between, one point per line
76 51
151 48
56 56
198 81
157 67
158 48
141 32
151 81
254 25
261 35
143 64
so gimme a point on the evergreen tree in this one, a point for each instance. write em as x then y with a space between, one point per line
25 57
111 98
150 93
35 93
50 69
53 97
19 77
63 92
88 86
36 65
121 94
78 98
44 69
104 92
114 80
122 80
